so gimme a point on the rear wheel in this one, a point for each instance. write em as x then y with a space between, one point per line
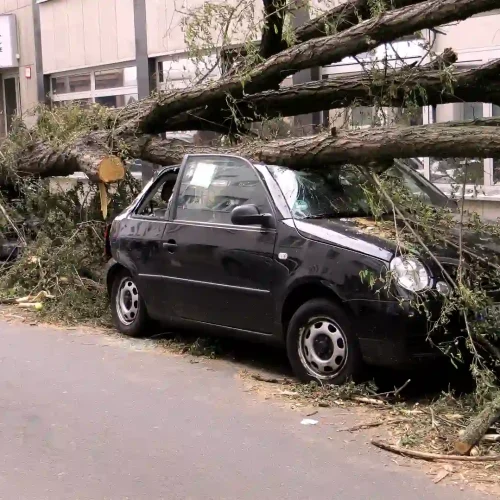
128 309
321 345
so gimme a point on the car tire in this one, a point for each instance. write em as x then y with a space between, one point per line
128 309
321 344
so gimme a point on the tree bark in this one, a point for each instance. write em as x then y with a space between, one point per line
362 147
478 427
152 115
343 17
89 154
415 86
272 32
478 138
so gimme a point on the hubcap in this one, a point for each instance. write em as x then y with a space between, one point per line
323 348
127 301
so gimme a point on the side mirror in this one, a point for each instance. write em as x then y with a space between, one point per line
245 215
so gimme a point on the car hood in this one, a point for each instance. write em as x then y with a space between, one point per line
363 235
349 234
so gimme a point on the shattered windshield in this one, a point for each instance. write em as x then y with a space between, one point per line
344 191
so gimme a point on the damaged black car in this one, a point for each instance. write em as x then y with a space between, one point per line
225 245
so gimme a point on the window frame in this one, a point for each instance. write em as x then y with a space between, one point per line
261 180
185 76
93 93
154 185
471 59
468 58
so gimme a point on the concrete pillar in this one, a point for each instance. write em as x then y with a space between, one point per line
145 68
305 124
42 82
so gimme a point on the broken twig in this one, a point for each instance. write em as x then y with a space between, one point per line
269 380
432 456
376 423
369 401
395 392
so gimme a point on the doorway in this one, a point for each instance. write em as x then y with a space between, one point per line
11 100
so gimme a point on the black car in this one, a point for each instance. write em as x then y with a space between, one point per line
230 246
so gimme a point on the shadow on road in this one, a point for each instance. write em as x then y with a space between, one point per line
427 380
250 355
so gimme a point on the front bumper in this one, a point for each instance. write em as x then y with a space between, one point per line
394 335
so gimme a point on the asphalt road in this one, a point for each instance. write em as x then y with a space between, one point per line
85 417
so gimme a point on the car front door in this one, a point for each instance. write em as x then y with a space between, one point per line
220 273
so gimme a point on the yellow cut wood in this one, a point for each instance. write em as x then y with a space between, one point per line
111 169
103 195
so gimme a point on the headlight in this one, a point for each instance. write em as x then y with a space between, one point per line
410 273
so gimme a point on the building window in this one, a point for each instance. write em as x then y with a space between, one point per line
472 110
369 116
362 116
114 78
116 101
71 83
112 87
177 72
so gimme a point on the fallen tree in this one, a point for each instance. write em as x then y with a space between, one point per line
118 131
152 115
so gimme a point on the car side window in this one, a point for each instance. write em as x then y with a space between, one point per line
156 203
212 187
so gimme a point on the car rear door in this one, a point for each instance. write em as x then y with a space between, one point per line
220 273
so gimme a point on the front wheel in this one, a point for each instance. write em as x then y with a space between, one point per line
128 309
321 345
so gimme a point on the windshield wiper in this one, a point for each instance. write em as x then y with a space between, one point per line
321 216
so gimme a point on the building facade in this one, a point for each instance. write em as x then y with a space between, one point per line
113 52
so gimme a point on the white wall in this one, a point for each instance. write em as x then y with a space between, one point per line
83 33
164 20
478 32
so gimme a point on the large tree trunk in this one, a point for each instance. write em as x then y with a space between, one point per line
479 138
339 18
90 154
362 147
152 115
416 86
478 427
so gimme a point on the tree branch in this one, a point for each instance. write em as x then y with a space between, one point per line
343 17
151 115
272 31
416 86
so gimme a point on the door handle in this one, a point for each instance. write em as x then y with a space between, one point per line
170 245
